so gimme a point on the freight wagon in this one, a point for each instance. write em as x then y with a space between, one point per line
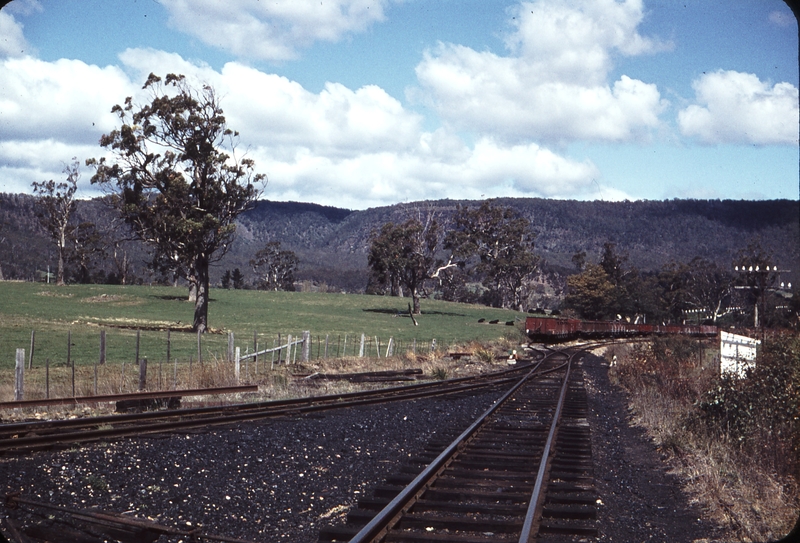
549 329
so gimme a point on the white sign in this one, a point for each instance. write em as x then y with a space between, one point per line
736 353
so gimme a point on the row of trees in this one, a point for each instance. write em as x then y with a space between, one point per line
611 289
176 182
485 253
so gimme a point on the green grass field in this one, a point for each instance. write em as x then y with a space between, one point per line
82 311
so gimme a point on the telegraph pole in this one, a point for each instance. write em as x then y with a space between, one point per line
759 279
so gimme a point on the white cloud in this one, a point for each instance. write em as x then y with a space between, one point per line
735 107
65 99
440 167
23 162
337 122
343 147
12 40
272 30
554 86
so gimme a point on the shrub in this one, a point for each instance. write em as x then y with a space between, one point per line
760 413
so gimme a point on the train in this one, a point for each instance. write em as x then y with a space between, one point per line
554 329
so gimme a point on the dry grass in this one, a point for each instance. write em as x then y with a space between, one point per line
736 489
276 380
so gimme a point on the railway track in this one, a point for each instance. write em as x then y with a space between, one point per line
36 435
522 472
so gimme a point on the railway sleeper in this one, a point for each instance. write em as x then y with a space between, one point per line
428 537
511 496
455 474
516 465
583 497
571 478
558 526
460 524
492 508
584 463
524 444
564 511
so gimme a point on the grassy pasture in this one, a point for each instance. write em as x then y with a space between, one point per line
83 310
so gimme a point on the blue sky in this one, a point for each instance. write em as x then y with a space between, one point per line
361 103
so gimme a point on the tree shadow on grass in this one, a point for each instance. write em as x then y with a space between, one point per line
176 298
404 312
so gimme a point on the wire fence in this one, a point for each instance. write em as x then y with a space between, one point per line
151 360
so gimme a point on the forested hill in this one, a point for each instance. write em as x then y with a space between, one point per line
332 243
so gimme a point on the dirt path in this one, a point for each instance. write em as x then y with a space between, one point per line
641 501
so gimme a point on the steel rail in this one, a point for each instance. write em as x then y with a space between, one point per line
103 398
111 519
382 521
533 506
90 422
246 413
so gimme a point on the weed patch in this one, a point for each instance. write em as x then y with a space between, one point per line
734 441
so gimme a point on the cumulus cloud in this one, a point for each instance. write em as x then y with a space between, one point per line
337 121
65 99
12 40
345 147
273 30
442 166
735 107
554 84
24 161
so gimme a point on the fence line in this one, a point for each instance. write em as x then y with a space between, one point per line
115 380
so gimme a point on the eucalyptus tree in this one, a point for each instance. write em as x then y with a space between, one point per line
403 256
55 205
176 179
502 242
275 267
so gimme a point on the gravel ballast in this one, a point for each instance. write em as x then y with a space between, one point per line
283 479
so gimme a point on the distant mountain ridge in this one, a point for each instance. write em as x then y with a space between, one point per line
332 243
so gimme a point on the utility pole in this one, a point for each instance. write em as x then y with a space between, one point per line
759 279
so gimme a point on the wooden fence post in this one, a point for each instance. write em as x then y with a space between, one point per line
326 346
255 350
288 348
389 347
143 374
47 378
237 368
377 346
200 349
306 345
361 349
102 347
230 347
138 333
69 358
33 345
19 372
